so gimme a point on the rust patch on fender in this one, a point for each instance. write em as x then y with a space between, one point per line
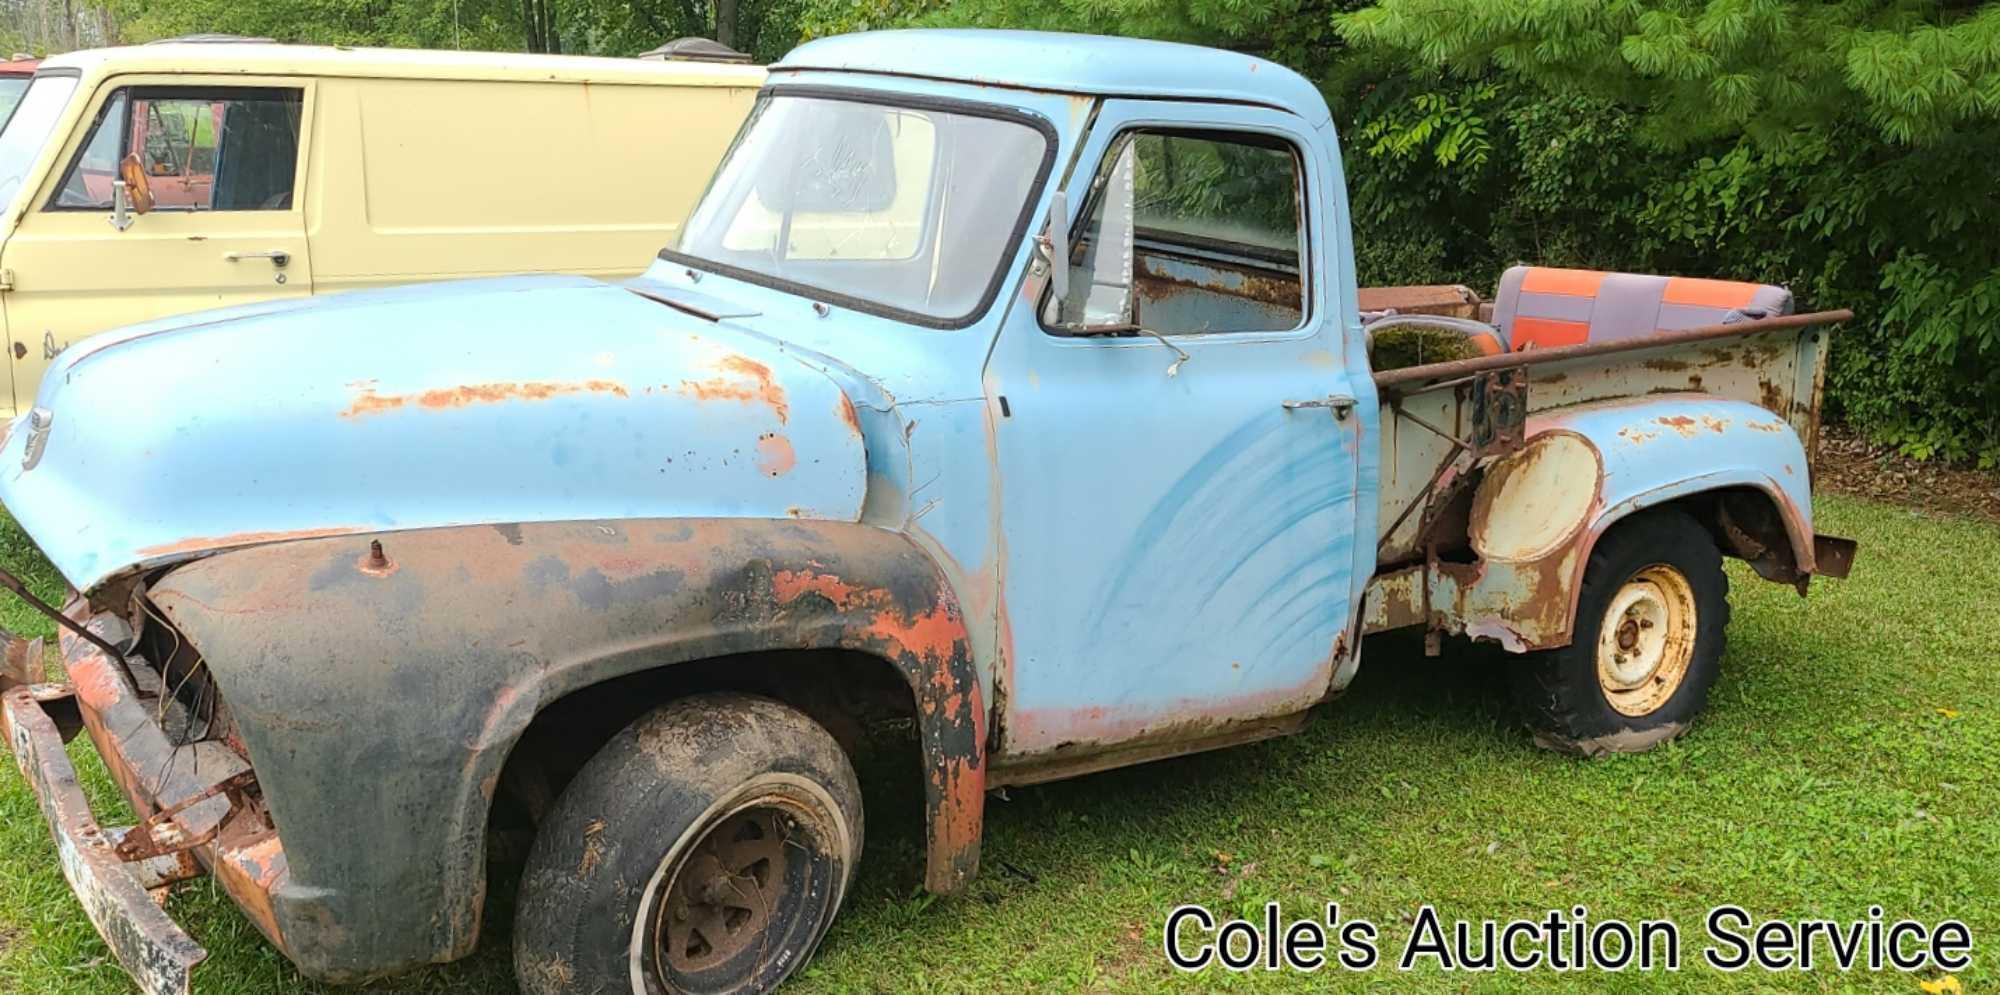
368 402
1679 423
847 415
774 455
744 380
933 636
196 544
791 585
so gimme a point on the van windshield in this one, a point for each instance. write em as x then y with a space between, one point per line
28 128
904 209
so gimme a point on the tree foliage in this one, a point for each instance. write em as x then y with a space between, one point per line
765 28
1843 148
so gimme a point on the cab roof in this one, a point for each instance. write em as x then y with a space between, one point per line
1066 63
401 63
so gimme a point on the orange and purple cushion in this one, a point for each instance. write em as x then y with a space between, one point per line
1542 307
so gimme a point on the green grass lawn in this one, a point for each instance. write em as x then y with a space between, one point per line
1850 756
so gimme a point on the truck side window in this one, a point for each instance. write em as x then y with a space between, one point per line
1216 229
202 149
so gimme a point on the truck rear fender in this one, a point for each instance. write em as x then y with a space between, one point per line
380 683
1673 448
1536 514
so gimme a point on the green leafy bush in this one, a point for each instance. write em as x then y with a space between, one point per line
1845 149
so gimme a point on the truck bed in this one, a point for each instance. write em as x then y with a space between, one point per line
1778 364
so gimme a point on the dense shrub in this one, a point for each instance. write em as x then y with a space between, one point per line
1844 148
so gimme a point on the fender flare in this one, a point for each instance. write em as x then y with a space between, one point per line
380 688
1671 447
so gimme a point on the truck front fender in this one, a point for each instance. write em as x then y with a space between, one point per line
379 683
1537 512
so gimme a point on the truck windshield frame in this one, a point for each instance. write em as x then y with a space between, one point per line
30 126
755 157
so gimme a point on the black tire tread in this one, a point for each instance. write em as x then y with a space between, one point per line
602 834
1545 690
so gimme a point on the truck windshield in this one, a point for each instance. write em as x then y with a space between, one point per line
28 128
896 208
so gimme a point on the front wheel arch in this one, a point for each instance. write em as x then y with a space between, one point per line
443 647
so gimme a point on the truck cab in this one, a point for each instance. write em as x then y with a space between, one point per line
1007 388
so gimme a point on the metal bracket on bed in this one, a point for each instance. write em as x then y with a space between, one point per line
1499 403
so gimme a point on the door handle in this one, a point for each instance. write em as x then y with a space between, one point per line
278 257
1342 405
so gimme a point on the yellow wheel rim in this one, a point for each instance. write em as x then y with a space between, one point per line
1646 641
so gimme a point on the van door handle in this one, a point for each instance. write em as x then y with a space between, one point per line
278 257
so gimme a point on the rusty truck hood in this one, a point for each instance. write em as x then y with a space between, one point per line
529 399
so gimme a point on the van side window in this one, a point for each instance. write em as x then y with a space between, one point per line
1192 232
202 149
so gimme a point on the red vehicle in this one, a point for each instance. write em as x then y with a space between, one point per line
14 78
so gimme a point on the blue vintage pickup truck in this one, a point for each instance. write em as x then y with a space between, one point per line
1008 389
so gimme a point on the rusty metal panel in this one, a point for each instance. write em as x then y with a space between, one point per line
469 632
158 955
1833 556
521 399
1442 299
1536 513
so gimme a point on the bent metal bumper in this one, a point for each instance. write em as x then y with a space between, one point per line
188 797
152 949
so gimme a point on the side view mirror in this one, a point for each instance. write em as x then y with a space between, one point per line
1109 302
1055 245
131 193
1104 303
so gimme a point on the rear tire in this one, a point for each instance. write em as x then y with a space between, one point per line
1647 645
705 849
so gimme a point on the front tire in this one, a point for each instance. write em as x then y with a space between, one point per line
703 851
1647 645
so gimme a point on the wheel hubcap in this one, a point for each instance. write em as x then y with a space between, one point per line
1647 640
723 897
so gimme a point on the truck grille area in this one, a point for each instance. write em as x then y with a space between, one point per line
164 734
168 669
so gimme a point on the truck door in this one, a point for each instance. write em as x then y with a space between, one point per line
222 166
1179 541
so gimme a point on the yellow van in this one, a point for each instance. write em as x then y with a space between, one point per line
153 180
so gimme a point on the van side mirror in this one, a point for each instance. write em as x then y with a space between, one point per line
131 192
